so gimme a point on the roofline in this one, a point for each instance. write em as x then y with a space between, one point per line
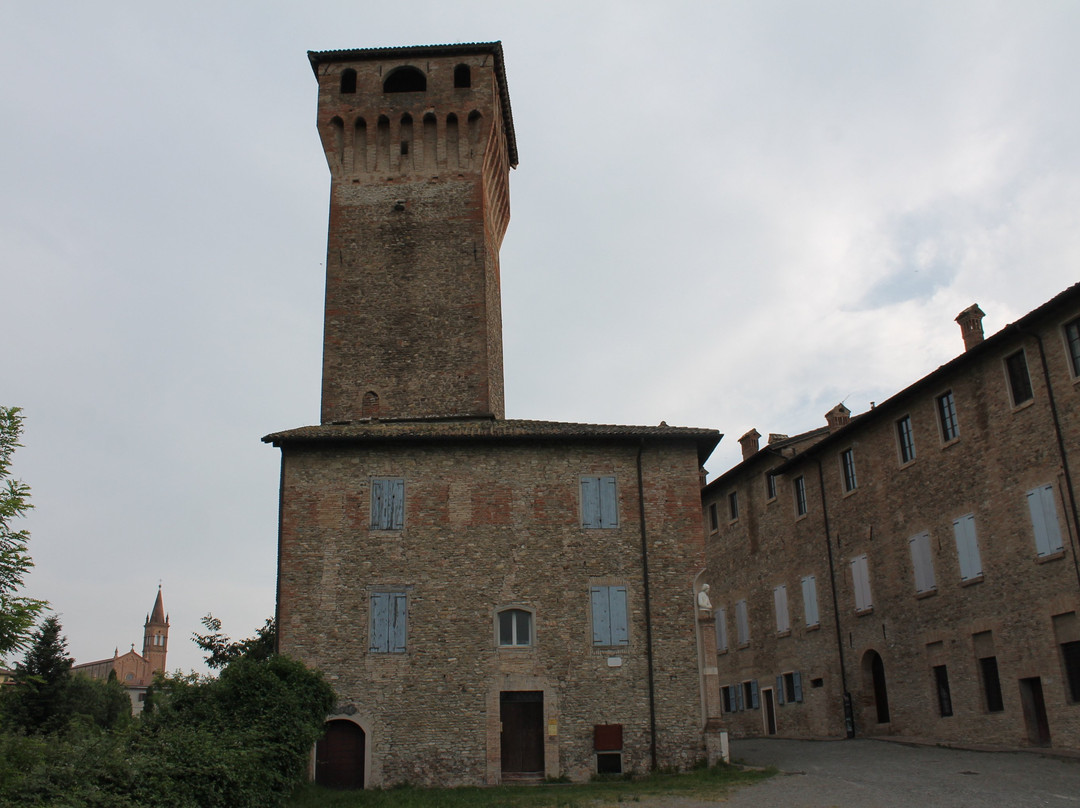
972 354
772 449
317 58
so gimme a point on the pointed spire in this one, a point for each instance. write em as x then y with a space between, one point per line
158 614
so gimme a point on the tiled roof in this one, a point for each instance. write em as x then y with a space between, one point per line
775 448
374 431
419 51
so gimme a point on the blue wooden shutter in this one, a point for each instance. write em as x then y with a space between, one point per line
590 502
780 689
1044 520
754 703
809 596
922 562
398 622
721 629
396 506
380 621
609 510
738 697
797 676
967 547
601 622
377 497
620 631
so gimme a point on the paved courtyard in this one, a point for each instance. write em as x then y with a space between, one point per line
880 774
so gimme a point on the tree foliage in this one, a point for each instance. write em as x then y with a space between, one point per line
221 650
17 613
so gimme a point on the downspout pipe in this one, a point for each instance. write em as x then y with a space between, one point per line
849 718
1060 443
648 608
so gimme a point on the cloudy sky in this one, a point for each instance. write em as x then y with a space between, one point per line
727 214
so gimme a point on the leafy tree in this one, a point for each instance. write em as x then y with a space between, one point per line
17 613
221 650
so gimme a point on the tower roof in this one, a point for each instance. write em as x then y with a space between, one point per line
158 613
420 51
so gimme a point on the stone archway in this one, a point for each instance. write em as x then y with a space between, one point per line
340 755
875 689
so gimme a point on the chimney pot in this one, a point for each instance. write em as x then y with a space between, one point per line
749 443
970 320
837 417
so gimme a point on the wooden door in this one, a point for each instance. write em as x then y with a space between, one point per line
339 756
522 716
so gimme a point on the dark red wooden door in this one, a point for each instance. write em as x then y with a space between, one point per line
339 756
522 716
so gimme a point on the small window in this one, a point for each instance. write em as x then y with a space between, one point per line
750 694
599 508
1044 521
742 622
783 621
405 80
991 684
348 81
922 561
946 411
721 629
770 486
860 577
1072 343
714 519
809 598
1019 380
387 503
733 505
906 438
1070 658
800 496
388 622
727 698
847 463
462 77
609 616
944 698
515 628
967 547
790 688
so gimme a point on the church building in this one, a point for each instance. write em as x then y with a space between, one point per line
493 600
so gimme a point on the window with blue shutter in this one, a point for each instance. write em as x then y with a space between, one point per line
721 629
860 578
753 686
967 547
610 625
783 623
809 599
599 507
742 622
780 690
1044 520
387 503
388 624
796 680
922 562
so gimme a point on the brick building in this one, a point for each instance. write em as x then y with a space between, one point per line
491 599
913 570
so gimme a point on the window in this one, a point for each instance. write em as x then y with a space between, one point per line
742 622
387 503
721 629
946 410
599 507
783 622
770 486
860 577
609 616
1072 342
608 744
809 599
728 699
750 695
733 505
847 463
789 688
800 496
1019 381
967 548
1044 520
515 628
714 519
389 616
348 81
922 561
906 439
991 683
462 77
1070 658
944 698
405 80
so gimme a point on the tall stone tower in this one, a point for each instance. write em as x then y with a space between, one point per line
419 141
156 635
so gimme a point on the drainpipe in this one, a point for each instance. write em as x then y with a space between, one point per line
849 713
648 608
1060 443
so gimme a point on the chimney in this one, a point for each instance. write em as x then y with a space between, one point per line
837 417
970 320
749 443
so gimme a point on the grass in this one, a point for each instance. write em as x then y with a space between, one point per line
712 782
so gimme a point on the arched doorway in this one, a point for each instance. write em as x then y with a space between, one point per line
874 682
339 756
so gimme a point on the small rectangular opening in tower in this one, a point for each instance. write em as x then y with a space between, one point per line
404 147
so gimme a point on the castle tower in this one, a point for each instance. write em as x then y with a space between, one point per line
420 142
156 635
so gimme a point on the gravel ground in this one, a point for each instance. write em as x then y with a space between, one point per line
880 774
